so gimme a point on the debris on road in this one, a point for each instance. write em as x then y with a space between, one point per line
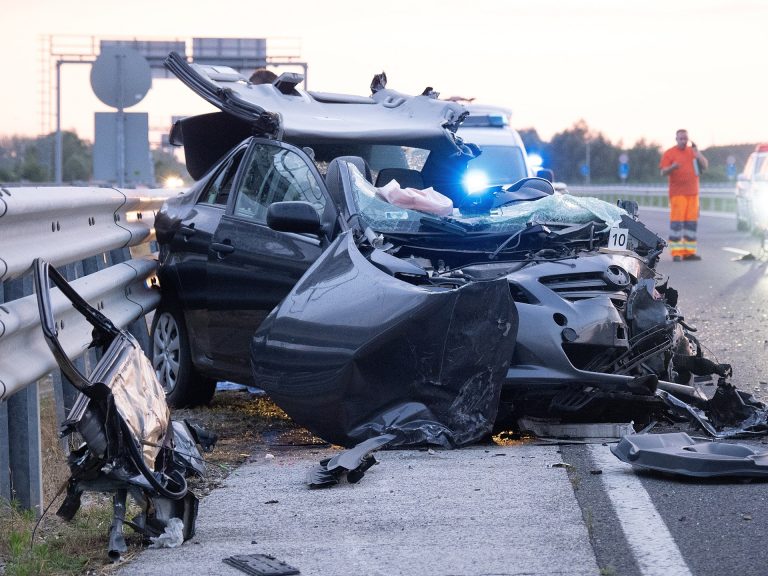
260 565
677 453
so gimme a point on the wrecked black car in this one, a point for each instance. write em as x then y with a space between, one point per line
329 254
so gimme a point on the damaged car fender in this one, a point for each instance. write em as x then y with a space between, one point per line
354 352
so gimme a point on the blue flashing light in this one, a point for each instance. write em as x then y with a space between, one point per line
535 160
475 181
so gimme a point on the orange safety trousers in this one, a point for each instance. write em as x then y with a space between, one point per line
683 223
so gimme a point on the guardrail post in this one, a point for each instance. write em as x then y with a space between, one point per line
5 465
24 448
23 415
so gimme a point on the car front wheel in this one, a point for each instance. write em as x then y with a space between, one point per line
172 361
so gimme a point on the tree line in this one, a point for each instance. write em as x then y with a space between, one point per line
26 159
566 154
31 160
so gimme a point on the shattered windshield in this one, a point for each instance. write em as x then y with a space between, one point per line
383 216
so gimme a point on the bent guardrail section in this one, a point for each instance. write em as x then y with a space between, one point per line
88 231
121 292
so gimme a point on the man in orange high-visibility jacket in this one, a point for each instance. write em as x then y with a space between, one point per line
682 164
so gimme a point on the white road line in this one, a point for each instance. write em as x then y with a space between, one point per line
649 539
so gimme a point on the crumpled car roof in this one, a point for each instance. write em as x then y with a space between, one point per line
302 117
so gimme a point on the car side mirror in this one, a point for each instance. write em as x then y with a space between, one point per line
545 173
299 217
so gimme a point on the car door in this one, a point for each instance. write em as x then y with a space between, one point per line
190 244
251 267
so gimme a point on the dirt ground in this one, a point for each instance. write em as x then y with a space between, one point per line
245 424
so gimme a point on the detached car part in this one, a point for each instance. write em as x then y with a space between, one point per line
677 453
130 446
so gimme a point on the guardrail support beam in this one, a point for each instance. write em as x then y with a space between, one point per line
24 448
23 425
5 465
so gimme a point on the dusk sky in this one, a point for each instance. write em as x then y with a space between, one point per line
631 69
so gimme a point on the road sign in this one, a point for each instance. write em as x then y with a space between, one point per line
623 170
130 165
120 76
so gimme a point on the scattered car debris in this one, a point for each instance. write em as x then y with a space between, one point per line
261 565
352 463
592 432
130 446
741 254
678 454
172 536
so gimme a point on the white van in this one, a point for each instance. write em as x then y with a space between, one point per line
503 159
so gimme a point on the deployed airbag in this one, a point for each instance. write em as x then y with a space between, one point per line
427 200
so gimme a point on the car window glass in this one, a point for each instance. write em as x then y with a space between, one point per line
377 156
220 185
276 174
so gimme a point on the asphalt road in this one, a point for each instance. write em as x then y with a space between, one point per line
516 509
714 527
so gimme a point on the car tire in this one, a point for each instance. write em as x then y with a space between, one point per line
172 360
742 222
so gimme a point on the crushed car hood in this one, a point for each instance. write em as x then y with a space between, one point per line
353 353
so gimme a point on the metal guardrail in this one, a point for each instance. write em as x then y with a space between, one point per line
711 198
89 232
65 225
120 292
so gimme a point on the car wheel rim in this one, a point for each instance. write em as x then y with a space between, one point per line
166 344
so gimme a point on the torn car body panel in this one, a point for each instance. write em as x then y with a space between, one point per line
123 419
354 352
677 453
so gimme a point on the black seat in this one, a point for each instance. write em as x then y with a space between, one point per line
405 177
333 176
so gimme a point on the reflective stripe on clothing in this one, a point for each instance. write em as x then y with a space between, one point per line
683 225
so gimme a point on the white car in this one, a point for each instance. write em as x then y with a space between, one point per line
752 192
